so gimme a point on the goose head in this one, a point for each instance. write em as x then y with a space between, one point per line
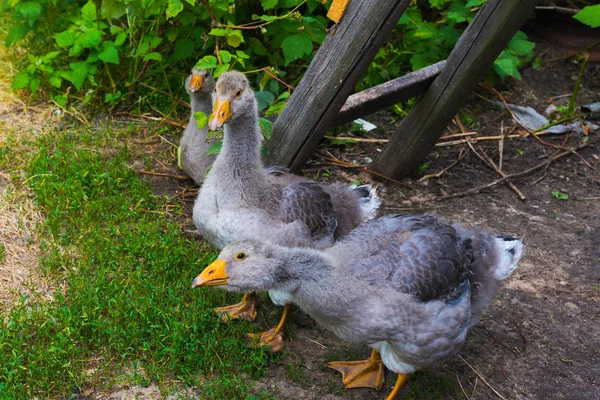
200 80
233 98
243 267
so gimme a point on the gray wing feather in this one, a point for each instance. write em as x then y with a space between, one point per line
417 254
309 203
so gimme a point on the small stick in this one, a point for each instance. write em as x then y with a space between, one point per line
486 159
437 175
373 140
178 177
524 341
363 140
482 378
459 123
501 145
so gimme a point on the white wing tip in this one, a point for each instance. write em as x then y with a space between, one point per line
510 250
369 204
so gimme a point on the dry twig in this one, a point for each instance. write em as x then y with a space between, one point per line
438 174
178 177
482 378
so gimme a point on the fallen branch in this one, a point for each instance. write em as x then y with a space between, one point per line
178 177
515 175
185 103
373 140
482 378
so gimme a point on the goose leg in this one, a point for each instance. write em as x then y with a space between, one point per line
402 378
273 337
365 373
246 309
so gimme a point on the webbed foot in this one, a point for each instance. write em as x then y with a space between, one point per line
365 373
271 338
246 309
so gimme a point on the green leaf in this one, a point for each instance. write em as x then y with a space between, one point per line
183 49
418 61
458 13
296 46
34 84
264 99
220 69
276 108
109 55
207 62
589 15
257 47
201 119
520 47
49 56
215 148
234 37
65 39
225 56
425 30
560 195
505 66
20 81
218 32
55 81
266 127
241 54
88 11
474 3
15 33
174 7
268 4
29 9
269 17
61 100
153 56
90 38
112 9
79 73
120 39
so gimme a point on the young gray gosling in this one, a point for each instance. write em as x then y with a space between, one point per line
194 143
241 200
408 286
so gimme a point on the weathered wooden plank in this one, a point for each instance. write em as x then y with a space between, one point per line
387 94
478 47
330 79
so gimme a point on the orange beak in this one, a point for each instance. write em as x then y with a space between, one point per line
195 83
213 275
220 115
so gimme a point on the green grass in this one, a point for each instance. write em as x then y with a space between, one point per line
127 312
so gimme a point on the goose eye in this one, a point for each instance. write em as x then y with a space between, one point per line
238 93
240 256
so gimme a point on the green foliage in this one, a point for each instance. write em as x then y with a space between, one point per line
104 48
86 50
124 301
201 119
589 15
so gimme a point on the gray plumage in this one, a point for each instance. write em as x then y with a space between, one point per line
194 142
240 199
407 286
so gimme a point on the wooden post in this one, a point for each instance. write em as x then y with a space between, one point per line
330 79
487 35
387 94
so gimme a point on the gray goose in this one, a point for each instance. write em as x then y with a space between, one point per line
194 143
241 200
409 287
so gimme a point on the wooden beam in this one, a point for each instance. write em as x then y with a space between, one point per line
486 36
330 79
387 94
